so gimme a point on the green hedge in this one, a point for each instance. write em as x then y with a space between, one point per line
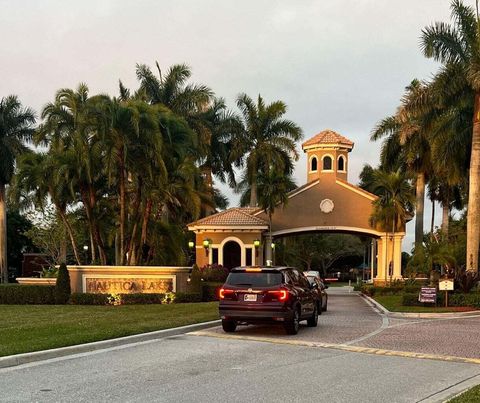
89 299
471 299
132 299
181 297
16 294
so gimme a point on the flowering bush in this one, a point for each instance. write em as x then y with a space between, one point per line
214 273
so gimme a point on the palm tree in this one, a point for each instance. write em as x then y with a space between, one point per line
457 47
273 188
38 177
16 128
407 145
74 126
395 202
263 140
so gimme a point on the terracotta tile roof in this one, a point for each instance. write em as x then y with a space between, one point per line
237 216
328 137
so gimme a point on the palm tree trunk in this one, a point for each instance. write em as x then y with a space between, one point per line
122 209
253 193
445 216
432 222
3 236
419 207
268 249
146 216
473 212
69 231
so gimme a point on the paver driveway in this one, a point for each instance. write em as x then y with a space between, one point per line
352 321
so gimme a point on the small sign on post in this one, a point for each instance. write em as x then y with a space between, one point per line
445 285
428 295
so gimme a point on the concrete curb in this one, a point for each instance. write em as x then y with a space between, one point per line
425 315
19 359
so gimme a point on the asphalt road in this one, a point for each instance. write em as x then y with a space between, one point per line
210 368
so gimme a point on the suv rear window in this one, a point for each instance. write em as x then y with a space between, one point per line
255 279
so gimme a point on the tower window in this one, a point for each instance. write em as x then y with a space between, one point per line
341 163
313 166
327 163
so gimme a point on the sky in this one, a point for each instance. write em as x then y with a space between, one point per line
337 64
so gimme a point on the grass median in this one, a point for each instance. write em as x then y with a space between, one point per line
27 328
470 396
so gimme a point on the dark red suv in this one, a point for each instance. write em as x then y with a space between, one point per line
267 295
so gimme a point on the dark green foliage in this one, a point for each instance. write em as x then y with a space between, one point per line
195 283
17 241
410 299
89 299
471 299
371 290
132 299
466 280
62 288
210 291
16 294
411 289
182 297
214 273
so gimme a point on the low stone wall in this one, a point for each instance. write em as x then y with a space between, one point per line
128 279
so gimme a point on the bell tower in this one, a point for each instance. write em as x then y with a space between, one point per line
327 156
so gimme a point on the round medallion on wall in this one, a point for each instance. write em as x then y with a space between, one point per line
326 206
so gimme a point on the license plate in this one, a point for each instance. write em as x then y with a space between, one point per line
250 297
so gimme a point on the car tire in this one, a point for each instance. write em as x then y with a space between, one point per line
293 324
324 309
229 326
320 308
313 320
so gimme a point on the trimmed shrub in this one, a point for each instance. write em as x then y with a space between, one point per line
132 299
472 299
62 288
183 297
89 299
210 291
16 294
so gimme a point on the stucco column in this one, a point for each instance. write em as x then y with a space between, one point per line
382 265
372 257
397 258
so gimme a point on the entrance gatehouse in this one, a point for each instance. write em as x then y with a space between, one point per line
327 202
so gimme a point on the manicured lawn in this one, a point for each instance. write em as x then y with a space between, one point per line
27 328
394 304
470 396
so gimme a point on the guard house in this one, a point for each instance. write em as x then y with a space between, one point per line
327 202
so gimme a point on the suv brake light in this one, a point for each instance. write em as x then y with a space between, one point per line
280 294
222 292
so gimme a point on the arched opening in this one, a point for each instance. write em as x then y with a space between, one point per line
232 255
341 163
313 166
327 163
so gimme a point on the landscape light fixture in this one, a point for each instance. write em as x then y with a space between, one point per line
273 245
206 245
256 244
191 244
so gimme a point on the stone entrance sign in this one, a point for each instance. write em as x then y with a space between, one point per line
128 279
127 285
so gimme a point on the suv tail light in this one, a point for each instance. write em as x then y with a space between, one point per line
278 295
223 292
